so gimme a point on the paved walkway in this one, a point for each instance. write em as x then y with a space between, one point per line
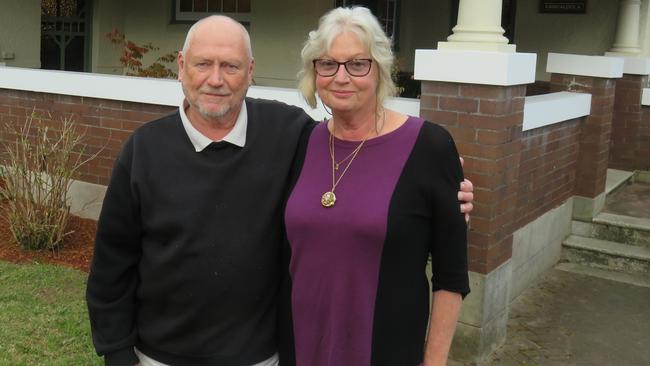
631 200
574 319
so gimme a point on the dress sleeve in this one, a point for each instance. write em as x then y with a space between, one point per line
113 278
449 246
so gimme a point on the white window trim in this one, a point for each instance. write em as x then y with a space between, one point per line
186 16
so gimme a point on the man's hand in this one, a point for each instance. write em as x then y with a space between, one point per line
466 195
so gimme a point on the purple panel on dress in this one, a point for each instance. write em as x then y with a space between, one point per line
336 251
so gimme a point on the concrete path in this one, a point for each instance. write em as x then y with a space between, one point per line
574 319
631 200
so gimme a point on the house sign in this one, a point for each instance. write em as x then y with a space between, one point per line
566 7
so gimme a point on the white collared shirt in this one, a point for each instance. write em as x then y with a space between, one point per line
236 136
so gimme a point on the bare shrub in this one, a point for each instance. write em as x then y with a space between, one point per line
39 166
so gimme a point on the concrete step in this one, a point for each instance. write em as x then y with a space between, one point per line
618 228
606 255
629 278
615 178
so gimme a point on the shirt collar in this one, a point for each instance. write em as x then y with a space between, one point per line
236 136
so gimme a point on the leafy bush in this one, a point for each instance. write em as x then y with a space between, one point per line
132 54
39 166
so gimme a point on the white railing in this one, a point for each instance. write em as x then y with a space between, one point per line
150 90
540 110
645 97
547 109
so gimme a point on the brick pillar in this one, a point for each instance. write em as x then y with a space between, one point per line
594 140
629 150
486 123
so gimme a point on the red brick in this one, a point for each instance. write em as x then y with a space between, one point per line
456 104
495 137
130 125
440 88
489 151
463 134
483 91
110 123
499 108
490 122
440 117
429 102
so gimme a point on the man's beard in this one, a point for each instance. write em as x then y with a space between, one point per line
212 114
206 113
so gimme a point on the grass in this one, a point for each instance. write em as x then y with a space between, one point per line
43 316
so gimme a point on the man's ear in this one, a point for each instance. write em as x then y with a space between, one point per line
181 62
251 70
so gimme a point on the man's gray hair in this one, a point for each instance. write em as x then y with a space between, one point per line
212 18
363 24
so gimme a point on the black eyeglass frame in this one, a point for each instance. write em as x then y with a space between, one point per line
345 64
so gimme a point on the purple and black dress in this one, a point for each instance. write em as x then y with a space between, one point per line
356 291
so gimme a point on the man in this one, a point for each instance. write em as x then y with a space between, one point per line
186 264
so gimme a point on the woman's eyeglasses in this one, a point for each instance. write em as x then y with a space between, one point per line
354 67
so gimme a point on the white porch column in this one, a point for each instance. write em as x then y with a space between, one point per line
626 41
478 28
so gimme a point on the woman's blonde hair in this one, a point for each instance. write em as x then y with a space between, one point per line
363 24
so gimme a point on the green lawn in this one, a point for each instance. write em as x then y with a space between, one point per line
43 316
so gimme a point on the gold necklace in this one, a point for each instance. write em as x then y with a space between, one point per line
378 130
336 165
328 199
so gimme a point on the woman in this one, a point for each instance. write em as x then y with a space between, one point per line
374 194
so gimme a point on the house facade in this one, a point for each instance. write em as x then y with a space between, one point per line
538 162
278 29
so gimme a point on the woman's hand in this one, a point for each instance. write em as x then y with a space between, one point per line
466 195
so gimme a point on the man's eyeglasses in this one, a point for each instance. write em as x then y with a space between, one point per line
354 67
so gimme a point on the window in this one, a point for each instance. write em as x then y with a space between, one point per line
386 11
64 35
193 10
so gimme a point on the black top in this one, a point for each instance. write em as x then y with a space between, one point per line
186 255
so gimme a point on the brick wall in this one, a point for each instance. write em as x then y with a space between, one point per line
107 123
485 122
593 153
547 170
518 176
630 140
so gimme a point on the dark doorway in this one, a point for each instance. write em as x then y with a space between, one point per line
65 28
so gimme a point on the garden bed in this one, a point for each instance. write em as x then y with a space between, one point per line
76 251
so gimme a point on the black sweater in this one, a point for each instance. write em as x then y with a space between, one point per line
186 256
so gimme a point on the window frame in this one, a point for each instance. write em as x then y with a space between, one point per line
373 5
177 16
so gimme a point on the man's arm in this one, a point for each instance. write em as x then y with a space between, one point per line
442 325
112 282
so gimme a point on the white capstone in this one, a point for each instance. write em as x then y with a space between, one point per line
645 97
475 67
546 109
581 65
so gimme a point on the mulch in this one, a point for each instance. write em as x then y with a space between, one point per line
76 251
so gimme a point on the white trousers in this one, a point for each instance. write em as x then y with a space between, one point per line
148 361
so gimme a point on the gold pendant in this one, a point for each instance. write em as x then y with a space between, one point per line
328 199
